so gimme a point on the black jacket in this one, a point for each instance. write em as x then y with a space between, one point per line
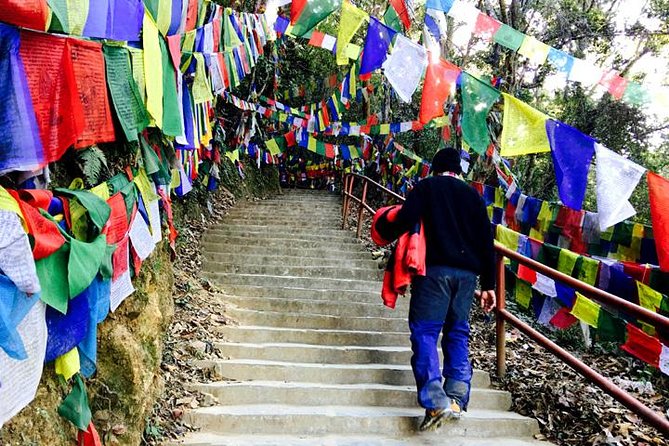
457 227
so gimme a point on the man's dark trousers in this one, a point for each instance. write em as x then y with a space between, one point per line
441 300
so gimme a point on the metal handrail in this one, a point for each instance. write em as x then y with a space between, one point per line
657 420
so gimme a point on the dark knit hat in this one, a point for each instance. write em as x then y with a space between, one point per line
446 160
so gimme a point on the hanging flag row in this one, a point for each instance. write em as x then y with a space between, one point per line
572 68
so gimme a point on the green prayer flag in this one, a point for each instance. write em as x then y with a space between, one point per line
636 94
230 37
320 148
392 20
151 161
610 328
98 210
59 18
477 100
84 263
153 6
509 37
172 123
125 95
313 13
52 273
588 270
106 266
74 407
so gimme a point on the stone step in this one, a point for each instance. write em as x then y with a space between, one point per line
423 439
287 292
353 254
323 420
270 241
281 233
294 271
294 207
262 370
358 309
317 394
312 353
311 223
306 320
260 334
283 229
336 285
242 258
295 215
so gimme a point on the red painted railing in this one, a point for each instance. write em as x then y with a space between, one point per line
503 316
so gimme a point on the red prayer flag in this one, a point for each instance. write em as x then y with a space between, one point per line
439 81
38 198
658 190
316 38
191 15
290 139
527 274
217 36
401 9
46 237
614 83
296 8
88 65
117 225
53 89
89 437
120 258
416 125
33 14
642 346
486 26
563 319
329 151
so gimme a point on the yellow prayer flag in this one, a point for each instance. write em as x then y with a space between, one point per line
566 261
507 237
544 218
143 184
353 51
351 19
7 202
102 191
586 310
189 42
499 198
201 89
273 147
77 14
137 63
68 364
233 156
153 70
524 129
648 297
536 235
176 179
588 271
523 294
164 16
534 50
385 129
311 144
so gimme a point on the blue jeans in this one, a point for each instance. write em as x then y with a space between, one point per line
441 300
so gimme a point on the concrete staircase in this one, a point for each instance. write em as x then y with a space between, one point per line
317 359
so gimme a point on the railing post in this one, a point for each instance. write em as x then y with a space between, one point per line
500 328
348 189
343 192
361 209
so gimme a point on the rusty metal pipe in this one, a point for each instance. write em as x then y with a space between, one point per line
659 421
500 329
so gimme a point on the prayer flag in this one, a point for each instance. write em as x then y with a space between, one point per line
586 310
486 27
440 5
535 50
617 177
509 37
20 140
636 94
172 113
560 60
88 64
351 20
614 83
640 345
658 191
392 20
74 407
524 129
439 84
572 153
153 70
50 74
435 21
376 47
563 319
32 14
405 66
77 12
648 297
477 100
123 89
610 328
523 294
68 364
400 8
313 13
296 8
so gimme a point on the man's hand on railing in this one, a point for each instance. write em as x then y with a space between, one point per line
487 298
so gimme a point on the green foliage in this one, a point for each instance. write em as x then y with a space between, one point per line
93 165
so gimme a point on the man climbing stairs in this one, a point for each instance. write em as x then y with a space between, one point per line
317 359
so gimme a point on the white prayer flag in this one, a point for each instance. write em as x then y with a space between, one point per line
664 360
140 237
405 66
545 286
585 72
617 177
19 378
